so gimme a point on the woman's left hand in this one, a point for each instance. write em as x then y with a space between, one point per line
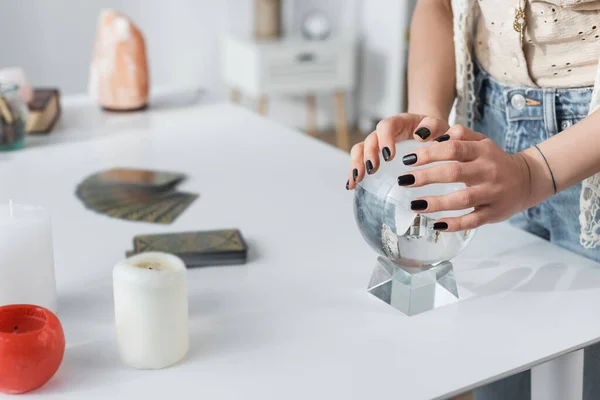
498 183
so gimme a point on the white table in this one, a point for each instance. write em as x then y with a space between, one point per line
82 119
296 322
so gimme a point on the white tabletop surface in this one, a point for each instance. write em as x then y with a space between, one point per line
82 119
296 322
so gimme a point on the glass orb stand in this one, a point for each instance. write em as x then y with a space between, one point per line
413 290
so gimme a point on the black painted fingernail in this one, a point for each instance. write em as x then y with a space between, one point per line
369 166
348 185
443 138
406 180
409 159
418 205
423 133
386 153
440 226
354 174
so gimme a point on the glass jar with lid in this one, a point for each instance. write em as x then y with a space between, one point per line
13 118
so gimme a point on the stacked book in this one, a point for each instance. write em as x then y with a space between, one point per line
44 111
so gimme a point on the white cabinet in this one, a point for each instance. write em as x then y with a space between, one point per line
292 66
289 66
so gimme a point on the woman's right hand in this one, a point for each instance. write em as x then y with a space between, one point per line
365 156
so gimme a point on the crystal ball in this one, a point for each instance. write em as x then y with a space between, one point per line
392 229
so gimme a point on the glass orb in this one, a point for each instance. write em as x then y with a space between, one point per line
392 229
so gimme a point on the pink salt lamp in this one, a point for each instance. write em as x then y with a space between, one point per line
119 78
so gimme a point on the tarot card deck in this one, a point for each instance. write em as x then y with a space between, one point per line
196 249
135 195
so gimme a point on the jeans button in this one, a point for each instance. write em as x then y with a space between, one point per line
565 125
518 101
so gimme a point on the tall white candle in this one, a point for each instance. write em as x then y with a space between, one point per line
26 257
151 310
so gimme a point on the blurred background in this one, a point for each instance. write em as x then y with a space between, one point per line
311 65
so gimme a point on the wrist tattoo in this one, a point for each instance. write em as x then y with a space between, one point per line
549 169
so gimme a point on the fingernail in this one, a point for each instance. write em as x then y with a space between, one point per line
354 174
386 153
440 226
406 180
369 167
443 138
409 159
418 205
423 133
348 185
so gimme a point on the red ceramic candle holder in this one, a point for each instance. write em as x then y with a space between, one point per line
32 345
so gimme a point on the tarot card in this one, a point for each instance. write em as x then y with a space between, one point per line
171 215
151 213
216 247
129 177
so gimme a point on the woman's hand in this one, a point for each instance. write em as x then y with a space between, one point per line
364 156
498 183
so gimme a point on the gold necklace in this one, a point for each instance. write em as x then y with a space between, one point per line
520 23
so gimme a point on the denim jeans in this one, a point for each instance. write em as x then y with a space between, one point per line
517 118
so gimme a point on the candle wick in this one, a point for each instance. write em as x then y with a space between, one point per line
10 207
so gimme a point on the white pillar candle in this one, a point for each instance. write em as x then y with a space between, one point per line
26 257
151 310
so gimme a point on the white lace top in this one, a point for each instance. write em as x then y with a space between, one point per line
560 47
465 18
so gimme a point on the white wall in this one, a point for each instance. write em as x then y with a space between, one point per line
384 51
53 41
